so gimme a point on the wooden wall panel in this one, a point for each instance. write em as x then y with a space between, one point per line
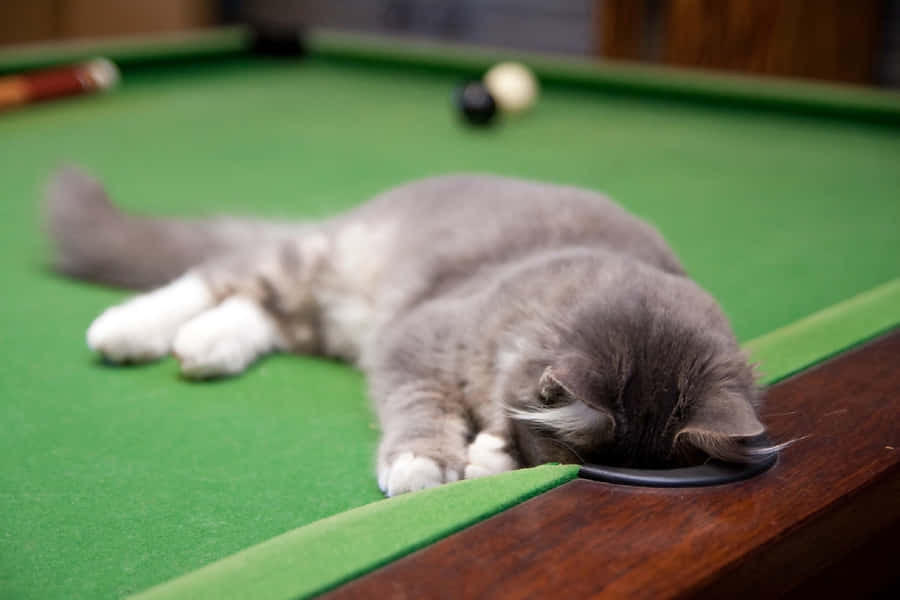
37 20
92 18
28 21
821 39
621 25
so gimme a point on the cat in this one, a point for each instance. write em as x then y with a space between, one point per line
500 323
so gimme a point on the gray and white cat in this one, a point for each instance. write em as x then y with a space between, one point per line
500 323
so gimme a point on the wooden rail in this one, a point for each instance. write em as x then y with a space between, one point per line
825 519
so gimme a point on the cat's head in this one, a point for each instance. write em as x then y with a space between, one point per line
648 378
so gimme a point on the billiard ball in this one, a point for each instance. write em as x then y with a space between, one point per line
277 40
475 103
513 86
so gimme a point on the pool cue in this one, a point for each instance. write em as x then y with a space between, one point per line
45 84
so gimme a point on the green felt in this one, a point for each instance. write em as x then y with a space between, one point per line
867 104
715 88
356 541
785 351
115 480
328 552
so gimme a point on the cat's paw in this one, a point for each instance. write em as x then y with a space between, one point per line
143 328
411 473
488 456
123 334
226 339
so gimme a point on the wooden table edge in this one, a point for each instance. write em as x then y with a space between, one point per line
811 555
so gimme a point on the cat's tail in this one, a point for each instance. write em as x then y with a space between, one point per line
94 240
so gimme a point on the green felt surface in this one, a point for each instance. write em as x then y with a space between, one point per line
786 351
356 541
326 553
114 480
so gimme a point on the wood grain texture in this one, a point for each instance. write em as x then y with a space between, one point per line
822 39
620 28
830 504
28 21
97 18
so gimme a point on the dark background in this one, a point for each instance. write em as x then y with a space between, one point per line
854 41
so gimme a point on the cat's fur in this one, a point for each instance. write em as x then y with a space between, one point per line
500 322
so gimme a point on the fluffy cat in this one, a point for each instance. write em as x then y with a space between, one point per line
500 322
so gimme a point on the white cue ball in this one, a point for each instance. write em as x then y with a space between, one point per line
513 86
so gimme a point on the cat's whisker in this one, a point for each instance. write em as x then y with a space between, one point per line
564 445
568 420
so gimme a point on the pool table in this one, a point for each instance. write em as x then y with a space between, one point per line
782 199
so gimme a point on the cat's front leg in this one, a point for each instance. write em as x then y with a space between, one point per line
424 439
408 467
489 454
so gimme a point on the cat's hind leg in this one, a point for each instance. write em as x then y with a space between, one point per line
267 304
221 316
143 328
226 339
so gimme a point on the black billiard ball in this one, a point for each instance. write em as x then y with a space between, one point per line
475 103
278 40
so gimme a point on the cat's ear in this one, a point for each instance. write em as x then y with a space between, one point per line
553 391
571 379
721 424
565 410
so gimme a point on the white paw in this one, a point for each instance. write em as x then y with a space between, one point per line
487 456
226 339
411 473
143 328
124 333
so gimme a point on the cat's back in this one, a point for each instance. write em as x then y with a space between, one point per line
463 196
489 218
